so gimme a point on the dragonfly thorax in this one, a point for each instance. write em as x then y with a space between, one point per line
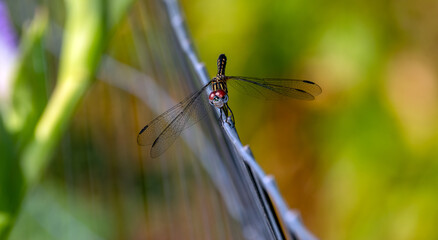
219 83
218 98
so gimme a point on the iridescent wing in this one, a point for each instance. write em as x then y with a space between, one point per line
274 88
164 129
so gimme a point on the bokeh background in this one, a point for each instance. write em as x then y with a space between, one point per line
359 162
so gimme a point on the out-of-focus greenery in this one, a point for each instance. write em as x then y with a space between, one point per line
32 124
359 162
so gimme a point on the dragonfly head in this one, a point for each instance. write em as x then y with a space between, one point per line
218 98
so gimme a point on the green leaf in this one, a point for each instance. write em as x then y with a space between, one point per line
11 182
28 99
29 90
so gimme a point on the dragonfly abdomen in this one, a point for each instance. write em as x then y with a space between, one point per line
221 63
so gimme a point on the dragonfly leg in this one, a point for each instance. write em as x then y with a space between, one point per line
231 114
224 113
220 115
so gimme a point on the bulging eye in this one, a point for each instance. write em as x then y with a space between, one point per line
221 93
218 98
211 96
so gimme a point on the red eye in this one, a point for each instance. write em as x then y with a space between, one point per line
221 93
211 96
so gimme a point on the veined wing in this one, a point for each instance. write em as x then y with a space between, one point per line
164 129
275 88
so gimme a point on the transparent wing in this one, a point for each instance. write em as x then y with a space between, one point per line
164 129
275 88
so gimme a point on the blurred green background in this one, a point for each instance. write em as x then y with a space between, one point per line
359 162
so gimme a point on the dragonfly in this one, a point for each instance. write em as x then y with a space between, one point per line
162 131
